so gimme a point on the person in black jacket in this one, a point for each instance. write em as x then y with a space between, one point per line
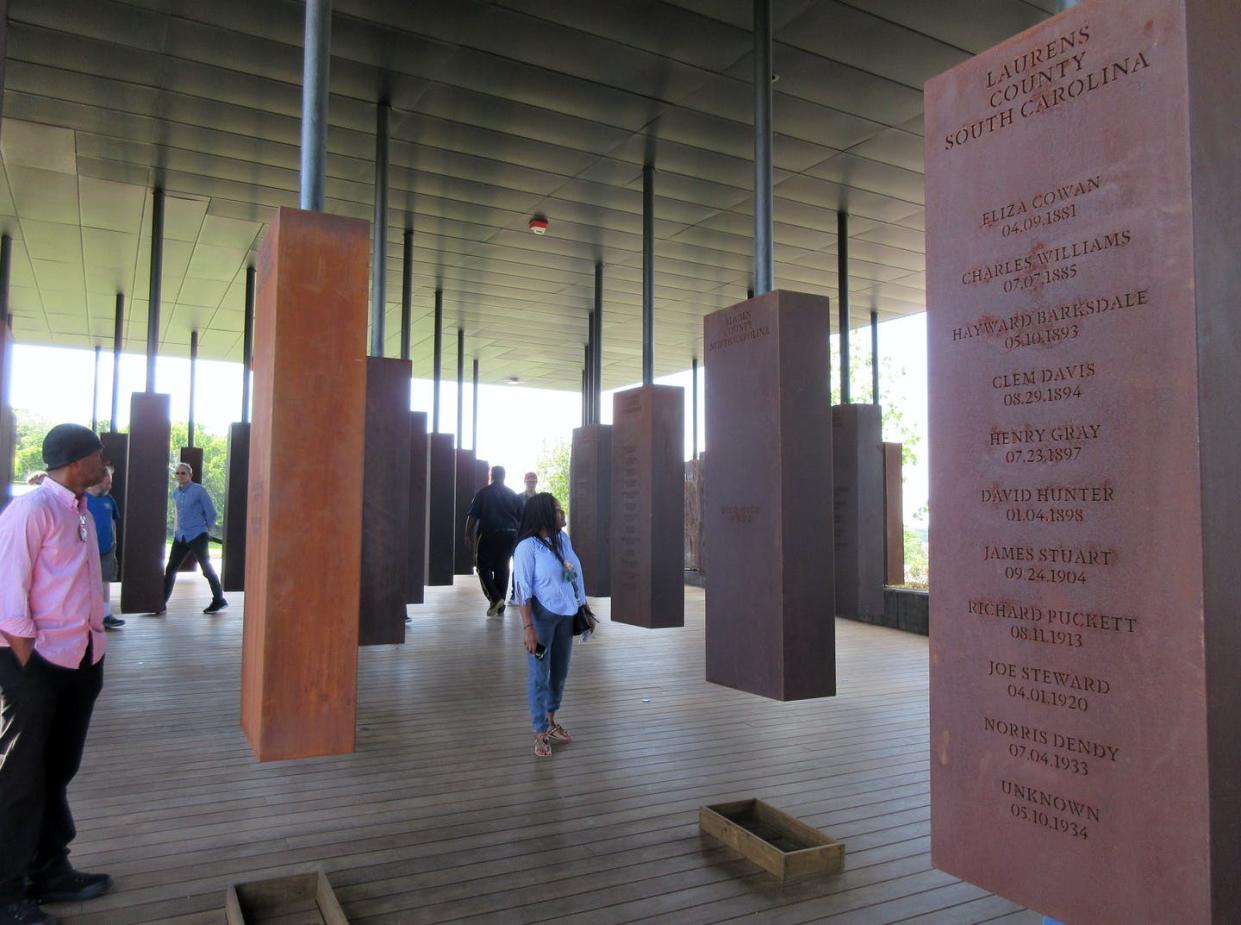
491 531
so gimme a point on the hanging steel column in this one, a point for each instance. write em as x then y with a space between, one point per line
189 434
247 346
407 290
316 56
118 335
94 395
585 413
438 361
648 274
157 277
379 232
460 388
762 147
596 347
874 357
474 413
695 413
842 270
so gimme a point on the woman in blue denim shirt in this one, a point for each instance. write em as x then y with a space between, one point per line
547 581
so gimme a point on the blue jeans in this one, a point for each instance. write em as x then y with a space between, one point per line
545 677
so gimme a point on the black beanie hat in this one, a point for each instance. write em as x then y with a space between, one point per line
67 443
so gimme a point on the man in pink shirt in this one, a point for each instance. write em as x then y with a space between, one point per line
51 670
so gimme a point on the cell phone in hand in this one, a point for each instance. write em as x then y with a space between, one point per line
539 651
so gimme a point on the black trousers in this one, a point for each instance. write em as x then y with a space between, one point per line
198 548
45 712
494 552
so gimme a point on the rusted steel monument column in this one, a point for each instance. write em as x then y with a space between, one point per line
115 444
386 483
590 470
442 474
893 515
237 488
299 649
857 478
768 498
8 430
1082 326
146 472
299 652
648 494
416 560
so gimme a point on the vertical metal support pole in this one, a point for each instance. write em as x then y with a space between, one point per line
94 395
648 274
596 347
6 272
588 414
247 347
438 361
474 414
407 290
460 388
695 414
842 267
118 336
189 436
379 233
874 357
589 366
316 56
762 147
157 278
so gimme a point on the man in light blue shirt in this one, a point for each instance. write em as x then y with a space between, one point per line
195 516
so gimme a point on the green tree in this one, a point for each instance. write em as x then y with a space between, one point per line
896 428
31 429
553 469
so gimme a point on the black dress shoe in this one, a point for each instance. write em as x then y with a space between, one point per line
216 606
67 886
25 912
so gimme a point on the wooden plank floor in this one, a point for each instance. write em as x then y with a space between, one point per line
443 814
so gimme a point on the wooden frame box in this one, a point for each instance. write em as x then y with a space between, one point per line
268 900
773 840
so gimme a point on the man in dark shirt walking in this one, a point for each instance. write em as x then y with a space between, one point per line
492 522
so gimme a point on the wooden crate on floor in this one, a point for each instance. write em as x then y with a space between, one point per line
272 900
773 840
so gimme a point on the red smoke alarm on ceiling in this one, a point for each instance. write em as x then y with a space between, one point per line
538 225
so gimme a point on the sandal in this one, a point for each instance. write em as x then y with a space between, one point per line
542 745
559 733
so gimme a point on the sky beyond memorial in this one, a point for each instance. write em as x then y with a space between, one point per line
515 423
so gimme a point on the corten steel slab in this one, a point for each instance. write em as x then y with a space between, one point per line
648 507
8 432
441 509
590 505
303 546
482 474
467 473
416 572
147 483
857 474
193 455
693 515
236 495
385 503
893 515
767 498
1083 336
116 454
